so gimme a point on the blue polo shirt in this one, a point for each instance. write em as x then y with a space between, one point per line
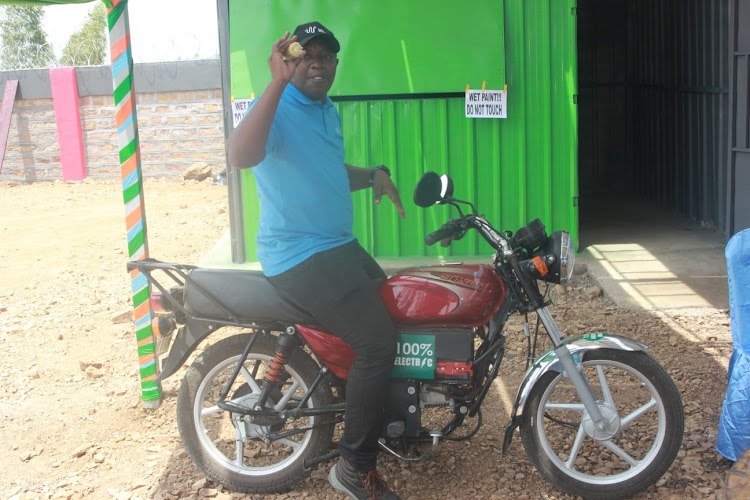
303 186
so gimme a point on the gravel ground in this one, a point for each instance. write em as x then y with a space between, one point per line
71 422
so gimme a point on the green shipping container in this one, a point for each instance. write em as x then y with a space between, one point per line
400 93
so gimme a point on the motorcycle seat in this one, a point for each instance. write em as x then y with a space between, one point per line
247 294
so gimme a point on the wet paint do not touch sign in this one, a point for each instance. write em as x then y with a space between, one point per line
486 104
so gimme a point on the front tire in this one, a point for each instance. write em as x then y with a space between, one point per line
238 454
645 410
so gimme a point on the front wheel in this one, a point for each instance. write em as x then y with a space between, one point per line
260 455
643 434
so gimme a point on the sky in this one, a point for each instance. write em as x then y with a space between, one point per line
160 30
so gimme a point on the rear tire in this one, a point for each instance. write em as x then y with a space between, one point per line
635 393
215 438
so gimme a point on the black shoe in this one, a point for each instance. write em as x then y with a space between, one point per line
359 485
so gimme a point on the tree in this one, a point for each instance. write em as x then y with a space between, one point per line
88 45
24 43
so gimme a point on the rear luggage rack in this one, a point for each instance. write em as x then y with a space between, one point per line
179 273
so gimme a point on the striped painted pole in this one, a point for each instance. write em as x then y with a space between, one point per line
132 190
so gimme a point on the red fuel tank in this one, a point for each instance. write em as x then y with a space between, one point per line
451 295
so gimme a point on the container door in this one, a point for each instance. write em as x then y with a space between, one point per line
739 178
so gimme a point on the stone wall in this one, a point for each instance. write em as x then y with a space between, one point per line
178 126
176 129
32 153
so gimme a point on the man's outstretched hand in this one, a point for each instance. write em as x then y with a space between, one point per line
383 185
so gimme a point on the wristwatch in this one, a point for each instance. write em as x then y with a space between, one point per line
374 170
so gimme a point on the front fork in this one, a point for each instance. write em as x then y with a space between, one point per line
572 369
570 366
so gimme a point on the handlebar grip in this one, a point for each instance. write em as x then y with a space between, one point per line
448 229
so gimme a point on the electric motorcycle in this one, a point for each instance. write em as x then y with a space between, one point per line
257 410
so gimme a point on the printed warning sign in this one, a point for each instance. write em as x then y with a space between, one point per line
239 108
486 104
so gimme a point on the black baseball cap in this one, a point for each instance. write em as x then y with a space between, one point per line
308 31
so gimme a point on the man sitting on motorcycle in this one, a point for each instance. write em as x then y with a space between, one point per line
291 136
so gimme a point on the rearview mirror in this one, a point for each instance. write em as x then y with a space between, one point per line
433 188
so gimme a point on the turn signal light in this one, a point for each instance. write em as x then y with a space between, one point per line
541 267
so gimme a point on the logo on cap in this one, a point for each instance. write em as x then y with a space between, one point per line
312 29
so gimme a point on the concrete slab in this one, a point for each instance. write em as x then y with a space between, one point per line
645 257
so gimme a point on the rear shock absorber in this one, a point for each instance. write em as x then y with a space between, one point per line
284 347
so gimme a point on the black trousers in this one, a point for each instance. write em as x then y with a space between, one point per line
339 288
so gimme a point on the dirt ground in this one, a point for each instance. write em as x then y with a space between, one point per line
72 425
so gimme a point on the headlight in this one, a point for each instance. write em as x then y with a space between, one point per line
555 260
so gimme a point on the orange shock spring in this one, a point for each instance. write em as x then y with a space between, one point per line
284 348
277 366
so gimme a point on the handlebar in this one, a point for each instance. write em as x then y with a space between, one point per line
459 226
501 242
449 229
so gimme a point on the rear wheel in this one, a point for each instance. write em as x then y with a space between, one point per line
244 454
645 424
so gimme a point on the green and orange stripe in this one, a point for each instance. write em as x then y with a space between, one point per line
132 189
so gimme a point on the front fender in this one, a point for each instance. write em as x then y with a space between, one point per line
577 347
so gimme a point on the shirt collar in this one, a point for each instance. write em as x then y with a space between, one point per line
295 94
